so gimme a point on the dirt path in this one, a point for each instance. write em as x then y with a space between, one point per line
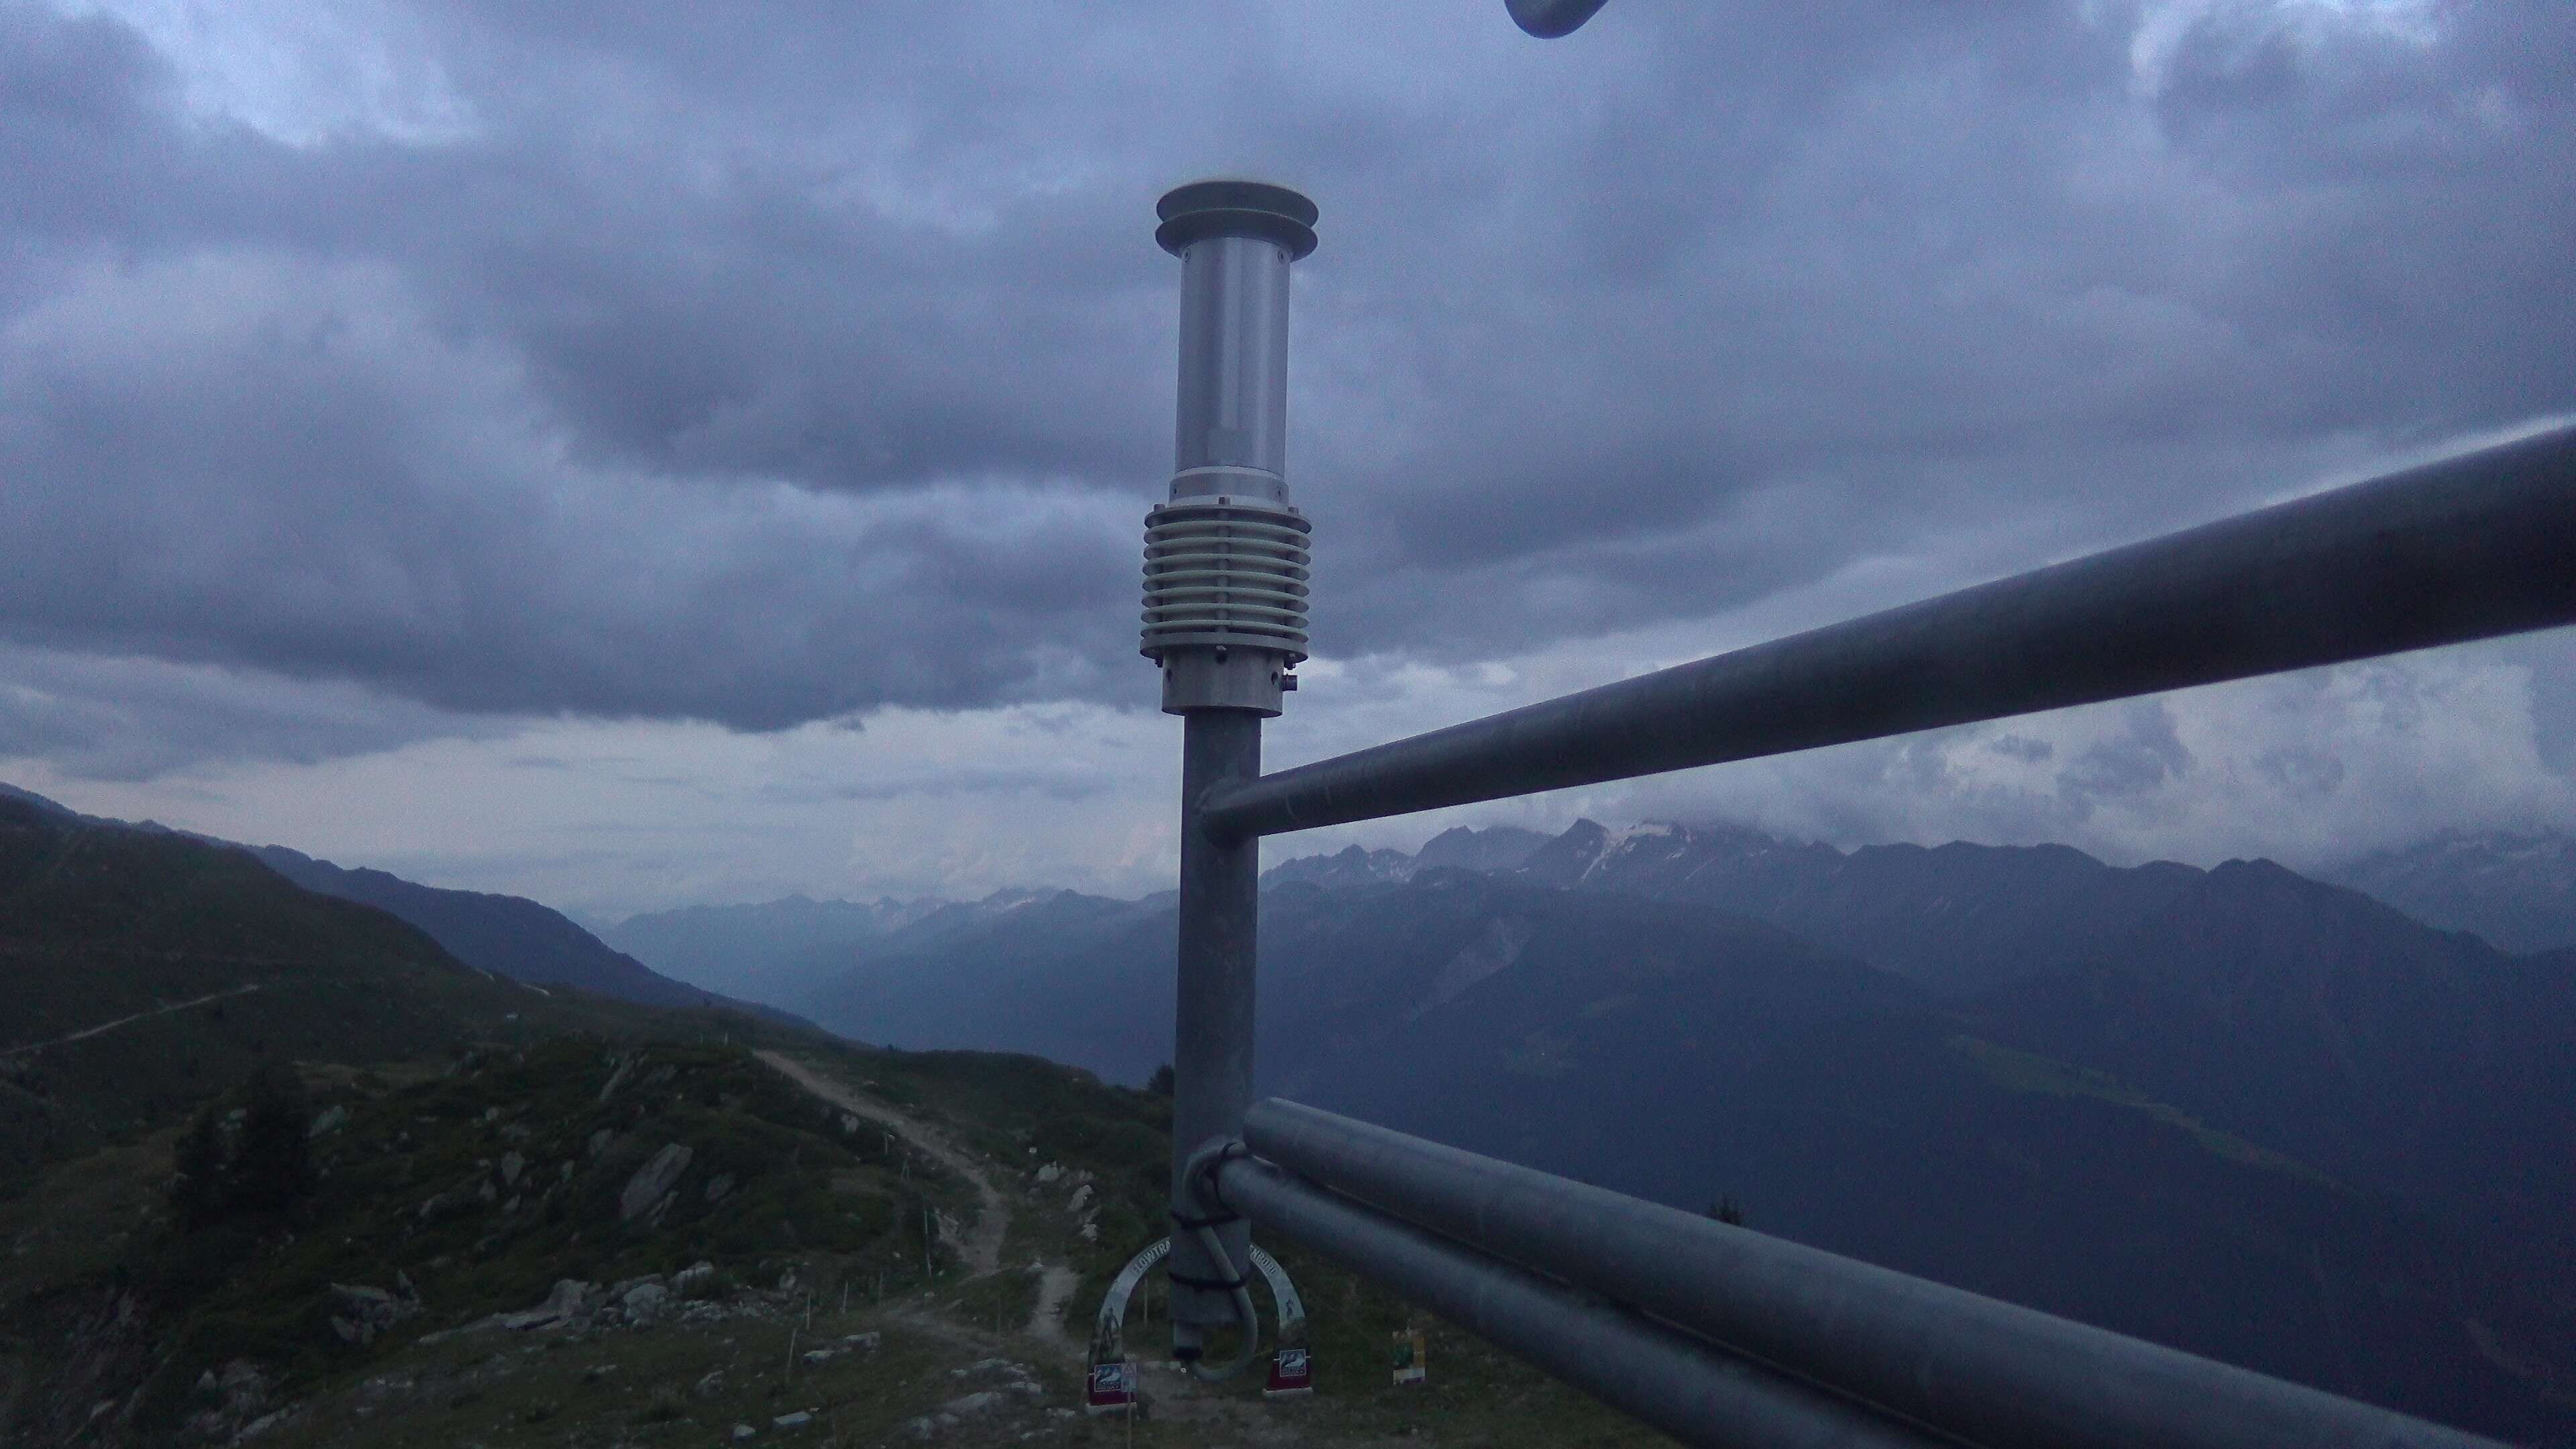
1056 1283
106 1026
982 1248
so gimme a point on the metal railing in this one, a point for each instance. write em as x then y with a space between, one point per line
2463 549
1722 1336
1718 1335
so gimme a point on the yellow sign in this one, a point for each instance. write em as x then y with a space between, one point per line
1411 1356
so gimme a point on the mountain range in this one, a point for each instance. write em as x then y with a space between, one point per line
2251 1113
2517 889
508 936
759 951
144 969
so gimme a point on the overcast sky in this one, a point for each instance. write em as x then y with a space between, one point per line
651 453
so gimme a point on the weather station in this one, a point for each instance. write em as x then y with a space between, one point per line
1226 568
1714 1333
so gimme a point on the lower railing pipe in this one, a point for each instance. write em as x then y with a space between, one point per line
1698 1394
1986 1372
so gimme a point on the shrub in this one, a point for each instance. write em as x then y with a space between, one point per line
263 1164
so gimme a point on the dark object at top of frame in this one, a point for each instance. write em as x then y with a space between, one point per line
1548 19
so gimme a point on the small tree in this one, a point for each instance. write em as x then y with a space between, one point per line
274 1165
1724 1210
198 1193
263 1165
1160 1084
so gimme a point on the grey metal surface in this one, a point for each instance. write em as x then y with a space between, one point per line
1225 571
1233 206
1228 573
1689 1390
1226 557
1233 409
1989 1372
1197 679
2468 548
1548 19
1212 1043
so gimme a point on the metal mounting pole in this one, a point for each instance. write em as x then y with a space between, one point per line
1212 1032
1225 617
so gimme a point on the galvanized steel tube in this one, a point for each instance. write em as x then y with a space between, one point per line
1988 1372
2468 548
1220 903
1685 1388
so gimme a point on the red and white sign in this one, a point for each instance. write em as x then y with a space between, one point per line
1292 1372
1113 1387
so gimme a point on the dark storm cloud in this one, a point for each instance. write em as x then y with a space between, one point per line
768 371
131 719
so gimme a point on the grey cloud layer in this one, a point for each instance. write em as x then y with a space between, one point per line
764 372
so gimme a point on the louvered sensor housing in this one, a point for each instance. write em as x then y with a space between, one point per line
1226 558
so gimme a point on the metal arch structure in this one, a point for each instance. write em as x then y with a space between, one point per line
1109 1330
1715 1334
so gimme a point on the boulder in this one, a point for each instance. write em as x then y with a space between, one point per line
693 1279
330 1120
459 1199
512 1164
967 1406
652 1181
571 1298
359 1313
645 1301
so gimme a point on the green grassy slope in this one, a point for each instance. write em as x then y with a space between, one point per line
141 971
160 1333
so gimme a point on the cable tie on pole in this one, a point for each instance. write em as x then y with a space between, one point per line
1203 1180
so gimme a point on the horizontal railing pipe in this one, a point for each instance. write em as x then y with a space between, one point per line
2468 548
1686 1388
1987 1372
